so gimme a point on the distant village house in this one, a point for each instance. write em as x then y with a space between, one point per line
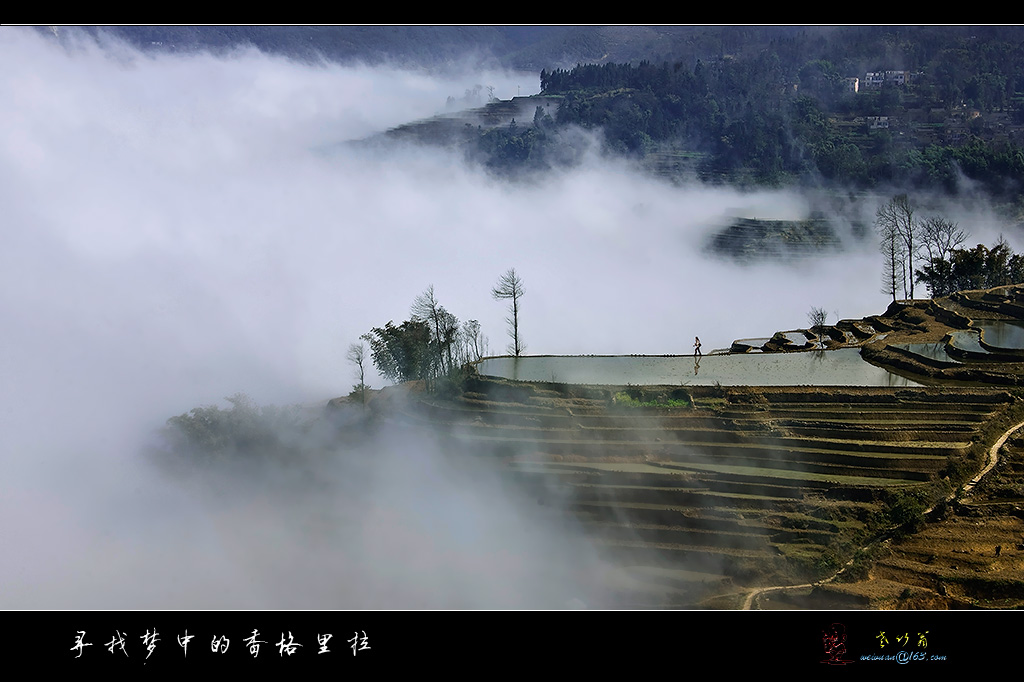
876 79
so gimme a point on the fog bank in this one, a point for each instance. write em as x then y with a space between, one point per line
175 232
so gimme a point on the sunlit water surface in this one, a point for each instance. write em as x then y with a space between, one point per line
843 367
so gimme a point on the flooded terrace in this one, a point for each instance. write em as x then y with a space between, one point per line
842 367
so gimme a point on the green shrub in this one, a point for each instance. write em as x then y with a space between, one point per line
244 430
827 564
859 568
637 400
905 511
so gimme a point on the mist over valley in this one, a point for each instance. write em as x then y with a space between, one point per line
181 227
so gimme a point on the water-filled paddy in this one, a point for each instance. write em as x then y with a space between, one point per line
796 338
1002 334
968 340
753 344
934 351
843 367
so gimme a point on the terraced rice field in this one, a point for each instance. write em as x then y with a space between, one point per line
968 341
740 487
971 556
699 490
935 352
841 367
1001 334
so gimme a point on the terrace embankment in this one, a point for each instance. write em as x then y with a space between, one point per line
699 494
943 341
967 555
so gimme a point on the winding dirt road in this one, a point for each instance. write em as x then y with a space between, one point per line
993 459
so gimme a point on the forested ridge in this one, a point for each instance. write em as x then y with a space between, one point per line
756 105
951 105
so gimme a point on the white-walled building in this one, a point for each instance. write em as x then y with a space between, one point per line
875 79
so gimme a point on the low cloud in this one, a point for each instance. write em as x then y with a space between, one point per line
179 228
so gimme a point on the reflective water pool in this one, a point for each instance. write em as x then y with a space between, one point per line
1002 334
843 367
968 340
934 351
796 338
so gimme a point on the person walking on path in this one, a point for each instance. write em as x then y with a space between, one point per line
696 346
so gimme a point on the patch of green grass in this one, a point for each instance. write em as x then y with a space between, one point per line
788 474
810 559
623 398
905 510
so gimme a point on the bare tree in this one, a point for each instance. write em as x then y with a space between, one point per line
426 309
817 317
474 343
444 327
892 248
448 328
357 356
510 287
940 236
895 220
